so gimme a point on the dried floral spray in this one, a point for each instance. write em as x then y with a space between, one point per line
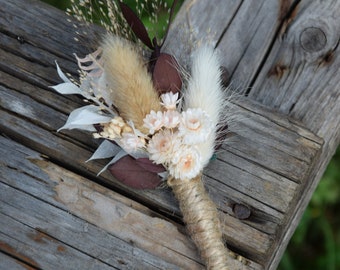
142 114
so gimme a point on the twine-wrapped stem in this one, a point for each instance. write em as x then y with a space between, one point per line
202 221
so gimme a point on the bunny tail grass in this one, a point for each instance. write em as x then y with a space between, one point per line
202 221
130 84
205 91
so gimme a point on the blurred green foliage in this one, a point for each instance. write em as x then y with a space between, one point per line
316 242
156 30
61 4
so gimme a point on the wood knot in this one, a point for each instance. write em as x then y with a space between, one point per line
241 211
313 39
278 70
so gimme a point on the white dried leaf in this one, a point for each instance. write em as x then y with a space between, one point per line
91 62
105 150
164 175
67 88
120 154
104 90
85 117
61 74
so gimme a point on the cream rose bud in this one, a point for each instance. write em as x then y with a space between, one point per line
195 126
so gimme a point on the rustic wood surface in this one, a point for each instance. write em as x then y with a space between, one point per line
57 214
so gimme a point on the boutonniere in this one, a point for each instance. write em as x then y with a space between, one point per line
157 124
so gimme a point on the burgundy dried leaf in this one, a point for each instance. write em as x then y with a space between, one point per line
130 173
166 76
148 165
136 25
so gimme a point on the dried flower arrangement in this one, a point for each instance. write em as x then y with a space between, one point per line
146 120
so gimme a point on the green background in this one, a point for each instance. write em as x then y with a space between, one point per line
316 242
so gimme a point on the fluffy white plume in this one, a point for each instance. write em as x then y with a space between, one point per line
205 91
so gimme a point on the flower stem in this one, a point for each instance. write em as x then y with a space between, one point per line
202 221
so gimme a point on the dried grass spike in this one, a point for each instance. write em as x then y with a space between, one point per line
129 82
205 92
202 221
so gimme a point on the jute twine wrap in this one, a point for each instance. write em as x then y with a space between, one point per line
201 218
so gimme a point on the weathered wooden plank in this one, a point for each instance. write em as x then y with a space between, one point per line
304 65
82 216
52 35
7 262
199 22
250 36
51 254
236 28
305 51
66 237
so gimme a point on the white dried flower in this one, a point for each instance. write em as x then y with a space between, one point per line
153 121
162 146
186 163
195 126
113 129
132 143
169 100
171 119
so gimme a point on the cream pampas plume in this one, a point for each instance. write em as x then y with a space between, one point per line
130 85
